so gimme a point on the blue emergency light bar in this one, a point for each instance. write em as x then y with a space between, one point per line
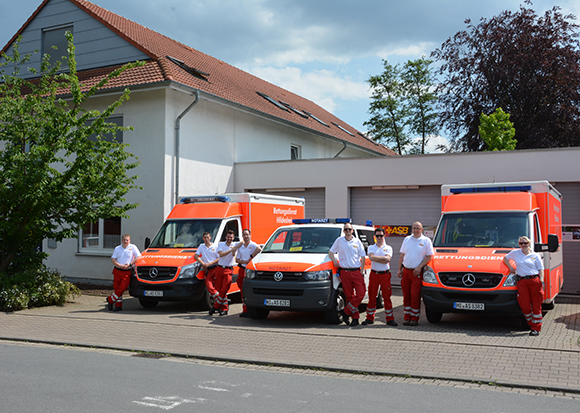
198 199
322 221
522 188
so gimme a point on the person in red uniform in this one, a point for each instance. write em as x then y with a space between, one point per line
348 254
208 257
380 255
248 249
123 258
530 270
416 251
227 253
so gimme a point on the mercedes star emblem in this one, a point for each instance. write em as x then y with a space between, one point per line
153 272
468 280
278 276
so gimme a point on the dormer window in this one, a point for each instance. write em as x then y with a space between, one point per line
55 36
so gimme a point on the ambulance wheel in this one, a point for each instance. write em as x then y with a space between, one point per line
380 301
333 316
258 313
206 301
148 303
548 306
433 316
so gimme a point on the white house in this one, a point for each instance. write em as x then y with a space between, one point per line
194 117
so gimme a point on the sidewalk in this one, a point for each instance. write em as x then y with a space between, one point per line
460 347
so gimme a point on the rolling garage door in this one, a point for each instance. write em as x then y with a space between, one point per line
314 197
571 249
396 207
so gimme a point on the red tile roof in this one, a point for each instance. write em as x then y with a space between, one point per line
223 80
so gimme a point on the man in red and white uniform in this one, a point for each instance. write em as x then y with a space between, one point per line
351 256
208 257
248 249
123 258
227 253
380 255
415 253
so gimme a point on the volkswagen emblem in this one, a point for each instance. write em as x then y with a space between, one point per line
468 280
278 276
153 272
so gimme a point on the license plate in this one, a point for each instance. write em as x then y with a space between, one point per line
153 293
277 303
469 306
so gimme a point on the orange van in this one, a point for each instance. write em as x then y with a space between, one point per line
479 225
167 270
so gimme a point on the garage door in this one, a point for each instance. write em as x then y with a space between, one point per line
396 207
314 197
571 249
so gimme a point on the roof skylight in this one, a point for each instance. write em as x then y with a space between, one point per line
304 115
191 70
341 128
316 119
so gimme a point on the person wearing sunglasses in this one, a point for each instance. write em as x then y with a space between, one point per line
348 254
529 268
380 255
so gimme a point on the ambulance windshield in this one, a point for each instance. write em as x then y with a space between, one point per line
185 233
481 229
305 239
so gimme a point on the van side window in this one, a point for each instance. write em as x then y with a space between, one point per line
537 233
231 225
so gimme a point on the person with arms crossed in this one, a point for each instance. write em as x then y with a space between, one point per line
348 254
208 257
227 253
248 249
380 255
123 258
416 251
530 271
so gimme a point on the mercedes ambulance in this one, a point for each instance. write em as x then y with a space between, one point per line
294 272
167 270
479 225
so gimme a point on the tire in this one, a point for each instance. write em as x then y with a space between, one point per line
548 306
206 301
433 316
332 315
258 313
145 303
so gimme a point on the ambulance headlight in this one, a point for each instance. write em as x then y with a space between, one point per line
190 271
429 275
250 274
318 275
510 281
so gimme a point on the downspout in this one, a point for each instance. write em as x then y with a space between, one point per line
341 151
178 143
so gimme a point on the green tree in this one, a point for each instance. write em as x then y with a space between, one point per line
57 170
497 131
387 109
419 84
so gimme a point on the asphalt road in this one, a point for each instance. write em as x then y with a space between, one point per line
40 378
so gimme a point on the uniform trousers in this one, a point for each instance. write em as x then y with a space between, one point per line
383 281
210 280
353 285
223 281
411 286
240 282
530 297
121 280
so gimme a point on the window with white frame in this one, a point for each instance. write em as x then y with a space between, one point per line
295 152
102 235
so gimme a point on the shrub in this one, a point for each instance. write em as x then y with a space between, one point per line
34 288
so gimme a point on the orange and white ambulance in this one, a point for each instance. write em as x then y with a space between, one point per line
479 225
294 272
167 270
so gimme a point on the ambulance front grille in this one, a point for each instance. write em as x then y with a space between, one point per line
286 275
154 273
470 279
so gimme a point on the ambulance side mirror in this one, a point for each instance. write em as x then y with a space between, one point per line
147 242
553 243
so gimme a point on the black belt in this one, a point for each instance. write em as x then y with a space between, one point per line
349 269
227 268
212 267
523 277
381 272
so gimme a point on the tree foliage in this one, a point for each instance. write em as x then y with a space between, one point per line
53 178
529 65
497 131
402 106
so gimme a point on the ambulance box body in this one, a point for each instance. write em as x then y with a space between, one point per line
168 271
479 225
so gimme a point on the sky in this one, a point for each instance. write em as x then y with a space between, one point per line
323 50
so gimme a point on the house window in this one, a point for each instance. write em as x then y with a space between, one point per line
56 37
295 152
101 235
117 120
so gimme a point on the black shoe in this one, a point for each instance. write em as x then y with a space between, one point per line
407 322
118 309
109 305
212 311
392 323
354 322
367 322
224 312
244 315
345 318
534 333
